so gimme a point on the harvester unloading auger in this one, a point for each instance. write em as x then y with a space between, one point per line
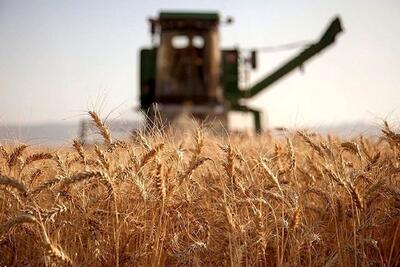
186 70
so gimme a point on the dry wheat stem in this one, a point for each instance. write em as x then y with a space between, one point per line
288 200
12 182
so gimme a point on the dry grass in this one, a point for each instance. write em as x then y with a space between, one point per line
167 199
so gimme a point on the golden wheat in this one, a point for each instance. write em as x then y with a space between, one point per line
164 198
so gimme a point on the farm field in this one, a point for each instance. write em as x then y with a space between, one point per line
163 198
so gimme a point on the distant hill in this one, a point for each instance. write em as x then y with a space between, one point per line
61 133
348 130
345 130
58 133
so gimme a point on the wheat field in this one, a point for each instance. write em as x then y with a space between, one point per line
163 198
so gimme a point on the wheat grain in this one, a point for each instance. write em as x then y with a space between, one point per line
355 195
12 182
18 219
182 176
45 185
104 162
104 132
295 220
12 159
37 156
79 149
150 154
156 202
160 181
3 152
271 174
313 145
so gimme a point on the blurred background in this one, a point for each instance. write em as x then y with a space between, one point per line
61 58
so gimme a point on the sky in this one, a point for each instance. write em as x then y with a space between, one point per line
61 58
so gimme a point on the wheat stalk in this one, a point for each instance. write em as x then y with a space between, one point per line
295 220
352 148
313 145
3 152
139 205
37 156
18 219
12 182
79 149
194 165
12 159
271 174
391 136
104 162
355 195
57 255
45 185
61 166
149 155
228 164
85 175
103 129
292 156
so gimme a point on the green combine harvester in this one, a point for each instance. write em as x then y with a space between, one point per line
186 71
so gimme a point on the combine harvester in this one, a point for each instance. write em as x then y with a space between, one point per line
186 72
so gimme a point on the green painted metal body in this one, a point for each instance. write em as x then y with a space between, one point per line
326 40
229 79
147 77
189 15
230 74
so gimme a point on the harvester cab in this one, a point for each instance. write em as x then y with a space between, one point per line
186 73
181 72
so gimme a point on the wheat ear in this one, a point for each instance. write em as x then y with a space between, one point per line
3 152
37 157
12 159
182 176
8 181
104 132
79 149
18 219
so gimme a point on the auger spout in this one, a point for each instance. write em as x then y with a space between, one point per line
327 39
